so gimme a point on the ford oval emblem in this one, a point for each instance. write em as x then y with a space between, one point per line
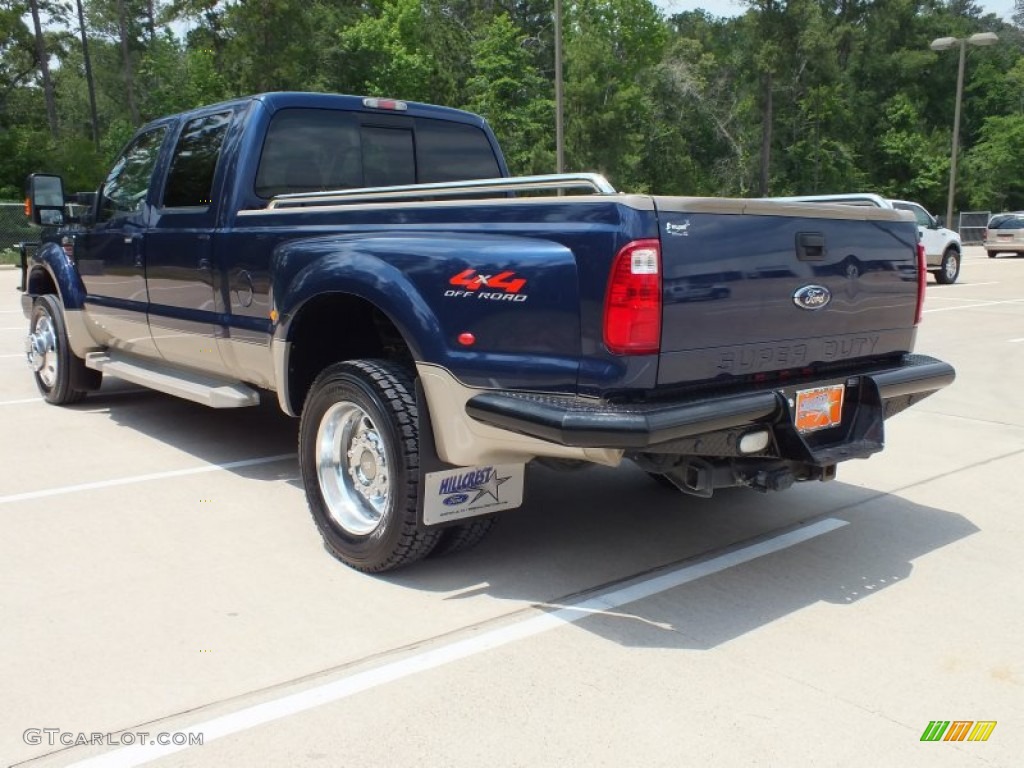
455 499
812 297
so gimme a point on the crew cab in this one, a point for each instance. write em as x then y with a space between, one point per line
437 325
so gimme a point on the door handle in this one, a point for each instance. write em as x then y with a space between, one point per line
133 242
810 246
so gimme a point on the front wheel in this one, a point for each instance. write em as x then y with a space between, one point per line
949 270
359 459
60 375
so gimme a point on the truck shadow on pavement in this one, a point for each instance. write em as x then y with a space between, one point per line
212 435
577 531
611 525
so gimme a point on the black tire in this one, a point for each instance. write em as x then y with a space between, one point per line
949 270
61 376
459 538
365 509
993 254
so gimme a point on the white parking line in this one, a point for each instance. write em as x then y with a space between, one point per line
956 298
20 354
1015 341
141 478
22 402
602 602
15 328
975 306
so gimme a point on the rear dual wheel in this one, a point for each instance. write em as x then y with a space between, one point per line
359 459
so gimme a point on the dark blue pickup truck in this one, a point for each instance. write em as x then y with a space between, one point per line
438 325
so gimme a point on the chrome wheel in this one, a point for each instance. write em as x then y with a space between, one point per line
952 267
352 469
41 349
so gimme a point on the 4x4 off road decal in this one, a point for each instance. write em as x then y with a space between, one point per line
503 286
470 491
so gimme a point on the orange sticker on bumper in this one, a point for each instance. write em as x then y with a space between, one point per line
819 408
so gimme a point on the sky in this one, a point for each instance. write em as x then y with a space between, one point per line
1003 8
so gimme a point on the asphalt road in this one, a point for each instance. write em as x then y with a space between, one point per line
159 574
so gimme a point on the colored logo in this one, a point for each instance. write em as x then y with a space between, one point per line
958 730
471 280
812 297
483 482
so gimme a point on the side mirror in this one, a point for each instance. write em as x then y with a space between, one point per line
45 202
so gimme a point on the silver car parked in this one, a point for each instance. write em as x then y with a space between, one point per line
1005 234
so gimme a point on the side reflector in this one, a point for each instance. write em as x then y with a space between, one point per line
632 307
922 280
28 207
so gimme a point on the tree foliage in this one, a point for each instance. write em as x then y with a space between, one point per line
789 97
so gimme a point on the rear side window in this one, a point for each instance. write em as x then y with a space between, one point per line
190 180
452 152
922 217
309 150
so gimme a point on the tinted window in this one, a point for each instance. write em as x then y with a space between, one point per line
309 150
387 156
127 185
190 180
452 152
1007 222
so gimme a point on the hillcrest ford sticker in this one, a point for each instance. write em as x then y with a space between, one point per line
470 491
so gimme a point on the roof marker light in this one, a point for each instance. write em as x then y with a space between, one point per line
391 104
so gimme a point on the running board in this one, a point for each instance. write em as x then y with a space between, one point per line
197 387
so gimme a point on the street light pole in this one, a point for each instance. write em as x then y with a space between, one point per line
956 135
944 44
559 98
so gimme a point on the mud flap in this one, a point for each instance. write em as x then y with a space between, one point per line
449 494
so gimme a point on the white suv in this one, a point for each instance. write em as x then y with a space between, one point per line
941 246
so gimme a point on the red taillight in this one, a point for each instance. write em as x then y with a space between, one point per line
922 279
28 207
632 308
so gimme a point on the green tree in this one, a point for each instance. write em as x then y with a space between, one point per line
992 176
612 51
508 90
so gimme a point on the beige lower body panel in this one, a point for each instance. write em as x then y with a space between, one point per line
463 441
80 339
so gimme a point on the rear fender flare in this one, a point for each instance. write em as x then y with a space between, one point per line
357 273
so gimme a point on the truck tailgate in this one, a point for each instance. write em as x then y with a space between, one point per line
752 287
